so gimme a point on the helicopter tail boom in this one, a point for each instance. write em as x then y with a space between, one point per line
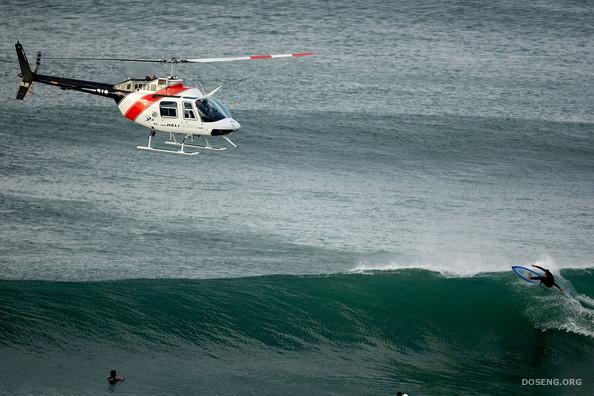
29 76
91 87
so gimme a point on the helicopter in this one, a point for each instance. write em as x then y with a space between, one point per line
162 104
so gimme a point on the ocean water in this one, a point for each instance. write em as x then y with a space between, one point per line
358 243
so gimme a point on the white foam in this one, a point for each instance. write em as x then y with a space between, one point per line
576 319
570 312
462 266
585 300
446 270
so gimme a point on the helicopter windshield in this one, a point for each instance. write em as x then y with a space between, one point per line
212 110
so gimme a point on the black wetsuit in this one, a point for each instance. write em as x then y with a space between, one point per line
548 279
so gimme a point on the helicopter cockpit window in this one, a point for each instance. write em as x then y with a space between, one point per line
168 109
188 111
211 110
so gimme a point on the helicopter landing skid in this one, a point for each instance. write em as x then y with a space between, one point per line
198 146
181 151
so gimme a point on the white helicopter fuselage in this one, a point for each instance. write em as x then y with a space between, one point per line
160 104
167 105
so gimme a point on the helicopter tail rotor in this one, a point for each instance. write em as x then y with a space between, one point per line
26 74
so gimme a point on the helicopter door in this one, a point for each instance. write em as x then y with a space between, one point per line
192 123
169 120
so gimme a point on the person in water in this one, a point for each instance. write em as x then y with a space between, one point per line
547 279
114 378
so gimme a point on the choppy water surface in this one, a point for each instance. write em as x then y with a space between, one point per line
454 137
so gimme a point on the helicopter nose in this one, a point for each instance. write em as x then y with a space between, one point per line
234 124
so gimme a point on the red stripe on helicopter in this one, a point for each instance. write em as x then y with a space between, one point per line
255 57
143 103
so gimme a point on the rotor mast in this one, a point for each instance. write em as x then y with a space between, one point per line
173 61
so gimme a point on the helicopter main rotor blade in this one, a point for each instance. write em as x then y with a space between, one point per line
199 60
241 58
113 59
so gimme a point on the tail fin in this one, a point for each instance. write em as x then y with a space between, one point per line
26 73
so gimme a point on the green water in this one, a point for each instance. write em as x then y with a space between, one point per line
348 334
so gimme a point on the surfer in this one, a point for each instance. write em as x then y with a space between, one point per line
547 279
114 378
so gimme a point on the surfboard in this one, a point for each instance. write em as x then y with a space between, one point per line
525 273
